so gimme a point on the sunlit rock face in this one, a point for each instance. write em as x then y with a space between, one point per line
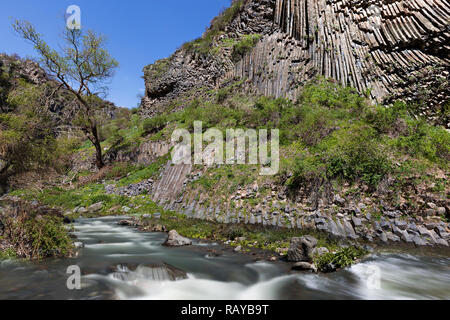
389 48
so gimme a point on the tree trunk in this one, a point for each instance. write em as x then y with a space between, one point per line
98 148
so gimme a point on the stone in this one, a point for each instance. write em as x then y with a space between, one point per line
175 240
423 231
238 249
431 205
401 224
445 236
304 266
334 230
82 210
383 237
356 222
418 241
147 216
442 242
126 209
300 249
441 211
96 207
339 200
349 231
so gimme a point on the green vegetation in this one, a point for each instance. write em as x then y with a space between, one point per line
27 137
342 258
204 45
244 45
8 254
247 236
82 66
34 235
157 69
153 125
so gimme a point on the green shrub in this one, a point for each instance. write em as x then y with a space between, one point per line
341 259
153 125
431 142
356 154
384 118
120 170
244 45
49 237
8 254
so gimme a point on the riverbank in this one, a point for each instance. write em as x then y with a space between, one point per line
33 232
119 262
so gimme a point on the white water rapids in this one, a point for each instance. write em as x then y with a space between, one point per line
122 263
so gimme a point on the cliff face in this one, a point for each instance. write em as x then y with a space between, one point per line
394 49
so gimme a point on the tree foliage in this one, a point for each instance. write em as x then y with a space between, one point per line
82 66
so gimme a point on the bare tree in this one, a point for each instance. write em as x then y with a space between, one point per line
83 66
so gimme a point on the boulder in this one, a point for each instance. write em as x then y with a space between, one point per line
96 207
175 240
356 222
300 249
304 266
419 242
442 242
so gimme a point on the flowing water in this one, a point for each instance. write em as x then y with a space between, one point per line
122 263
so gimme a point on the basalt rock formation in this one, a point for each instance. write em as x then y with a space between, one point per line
386 49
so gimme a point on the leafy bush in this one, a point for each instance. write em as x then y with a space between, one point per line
49 237
384 118
35 233
341 259
244 45
356 154
431 142
120 170
153 125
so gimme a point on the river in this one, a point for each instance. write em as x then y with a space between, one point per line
121 263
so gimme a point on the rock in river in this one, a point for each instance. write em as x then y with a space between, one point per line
300 249
304 266
175 240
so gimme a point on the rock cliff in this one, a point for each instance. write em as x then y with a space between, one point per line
388 49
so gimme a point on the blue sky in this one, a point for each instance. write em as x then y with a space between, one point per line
139 31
